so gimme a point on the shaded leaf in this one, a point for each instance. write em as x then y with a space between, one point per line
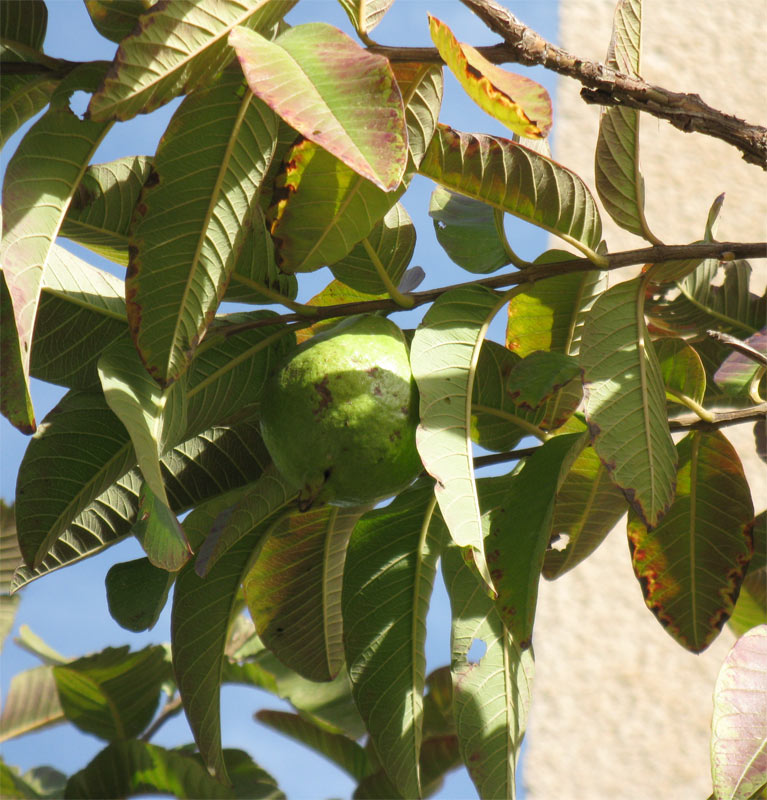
515 179
100 214
491 695
588 506
365 14
392 559
136 593
188 231
751 608
177 46
468 231
682 370
692 564
116 19
248 779
381 257
739 726
443 357
520 104
337 747
48 163
520 530
112 694
550 314
626 401
293 590
159 533
739 372
334 93
31 703
538 376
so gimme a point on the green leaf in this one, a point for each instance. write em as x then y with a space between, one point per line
626 401
293 590
468 231
739 372
136 593
739 726
535 378
365 14
324 210
202 609
159 533
81 313
692 564
24 21
443 357
12 785
751 608
520 530
379 261
175 282
32 643
116 19
248 779
587 507
112 694
337 747
491 695
15 400
333 92
683 373
520 104
176 47
533 187
421 87
619 180
31 703
10 555
8 607
550 314
391 562
31 225
100 214
210 464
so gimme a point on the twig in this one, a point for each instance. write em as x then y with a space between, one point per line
740 346
501 458
719 419
169 710
724 251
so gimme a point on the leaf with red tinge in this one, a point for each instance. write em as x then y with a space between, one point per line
334 93
739 726
739 371
692 564
522 105
365 14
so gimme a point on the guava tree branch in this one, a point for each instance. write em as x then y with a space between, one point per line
171 709
724 251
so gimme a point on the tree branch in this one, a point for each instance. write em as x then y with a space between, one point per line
169 710
724 251
605 86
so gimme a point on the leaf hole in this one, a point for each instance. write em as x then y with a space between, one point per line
476 651
559 541
78 103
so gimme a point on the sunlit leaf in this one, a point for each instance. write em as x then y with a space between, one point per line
10 555
334 293
337 747
626 401
136 593
391 560
739 726
101 210
293 590
81 313
491 692
520 104
158 531
468 231
520 531
443 357
116 19
188 230
421 86
334 93
587 507
365 14
39 182
31 703
619 181
515 179
177 46
8 608
550 314
692 564
112 694
681 368
381 257
34 644
216 461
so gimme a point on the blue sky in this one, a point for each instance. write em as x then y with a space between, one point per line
68 608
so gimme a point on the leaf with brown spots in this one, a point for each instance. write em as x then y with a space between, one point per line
692 564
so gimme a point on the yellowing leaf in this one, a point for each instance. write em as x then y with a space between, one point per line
520 104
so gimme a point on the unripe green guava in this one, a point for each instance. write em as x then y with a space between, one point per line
339 417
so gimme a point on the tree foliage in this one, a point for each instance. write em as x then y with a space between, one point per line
289 151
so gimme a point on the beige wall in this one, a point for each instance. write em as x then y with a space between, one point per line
619 710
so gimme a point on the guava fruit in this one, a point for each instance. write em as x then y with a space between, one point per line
339 416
